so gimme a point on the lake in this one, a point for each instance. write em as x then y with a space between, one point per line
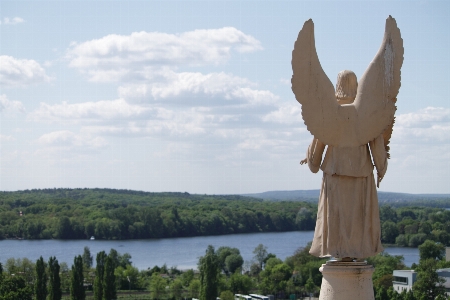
180 252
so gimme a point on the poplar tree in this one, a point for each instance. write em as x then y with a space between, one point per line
40 285
77 291
54 283
99 273
87 258
109 280
209 274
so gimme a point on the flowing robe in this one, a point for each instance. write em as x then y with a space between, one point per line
348 222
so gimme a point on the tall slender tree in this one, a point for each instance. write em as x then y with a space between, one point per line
54 283
40 285
99 273
1 272
77 291
109 280
209 274
87 258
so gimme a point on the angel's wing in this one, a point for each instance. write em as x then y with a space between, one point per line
373 110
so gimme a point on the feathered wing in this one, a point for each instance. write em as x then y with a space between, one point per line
378 88
372 112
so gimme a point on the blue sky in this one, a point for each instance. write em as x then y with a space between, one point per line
195 95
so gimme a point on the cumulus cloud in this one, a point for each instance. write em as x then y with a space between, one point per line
20 72
11 21
286 114
116 56
8 105
431 124
194 86
91 111
68 140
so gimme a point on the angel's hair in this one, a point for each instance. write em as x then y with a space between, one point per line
346 87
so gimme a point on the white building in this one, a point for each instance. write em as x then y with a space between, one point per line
404 279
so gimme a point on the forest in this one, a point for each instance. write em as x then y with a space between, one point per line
123 214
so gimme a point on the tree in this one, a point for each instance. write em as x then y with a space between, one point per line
109 280
223 253
233 262
54 283
194 288
431 250
87 258
99 273
157 285
1 272
77 291
260 254
226 295
428 285
209 274
176 288
389 232
40 285
14 288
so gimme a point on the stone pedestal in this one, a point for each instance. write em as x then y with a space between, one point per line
346 281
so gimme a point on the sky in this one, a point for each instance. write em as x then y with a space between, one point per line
195 96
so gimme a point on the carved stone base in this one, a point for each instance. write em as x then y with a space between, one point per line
346 280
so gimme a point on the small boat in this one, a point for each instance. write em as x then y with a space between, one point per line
92 238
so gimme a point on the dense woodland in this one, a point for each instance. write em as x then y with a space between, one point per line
123 214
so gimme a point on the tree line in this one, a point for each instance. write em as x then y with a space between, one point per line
412 226
116 214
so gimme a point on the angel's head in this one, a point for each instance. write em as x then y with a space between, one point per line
346 87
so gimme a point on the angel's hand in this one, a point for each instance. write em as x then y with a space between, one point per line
304 161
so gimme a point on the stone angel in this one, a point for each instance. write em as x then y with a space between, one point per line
349 122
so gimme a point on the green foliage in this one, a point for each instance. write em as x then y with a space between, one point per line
240 284
54 283
260 254
226 295
87 258
99 273
157 286
229 259
209 274
109 280
123 214
275 276
194 288
15 288
176 289
187 277
40 285
77 291
428 285
431 250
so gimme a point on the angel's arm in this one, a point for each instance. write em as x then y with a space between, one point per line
379 156
314 155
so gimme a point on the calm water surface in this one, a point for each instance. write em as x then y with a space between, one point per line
180 252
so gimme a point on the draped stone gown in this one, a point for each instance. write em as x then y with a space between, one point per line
348 223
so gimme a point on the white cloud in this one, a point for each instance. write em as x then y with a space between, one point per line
196 88
68 140
6 104
431 124
6 138
20 72
115 56
286 114
92 111
12 21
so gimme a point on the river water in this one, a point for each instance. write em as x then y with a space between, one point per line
180 252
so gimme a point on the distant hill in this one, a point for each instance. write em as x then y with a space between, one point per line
396 199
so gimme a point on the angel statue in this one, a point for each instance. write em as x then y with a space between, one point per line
355 124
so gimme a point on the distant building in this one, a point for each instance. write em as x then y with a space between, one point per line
404 279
